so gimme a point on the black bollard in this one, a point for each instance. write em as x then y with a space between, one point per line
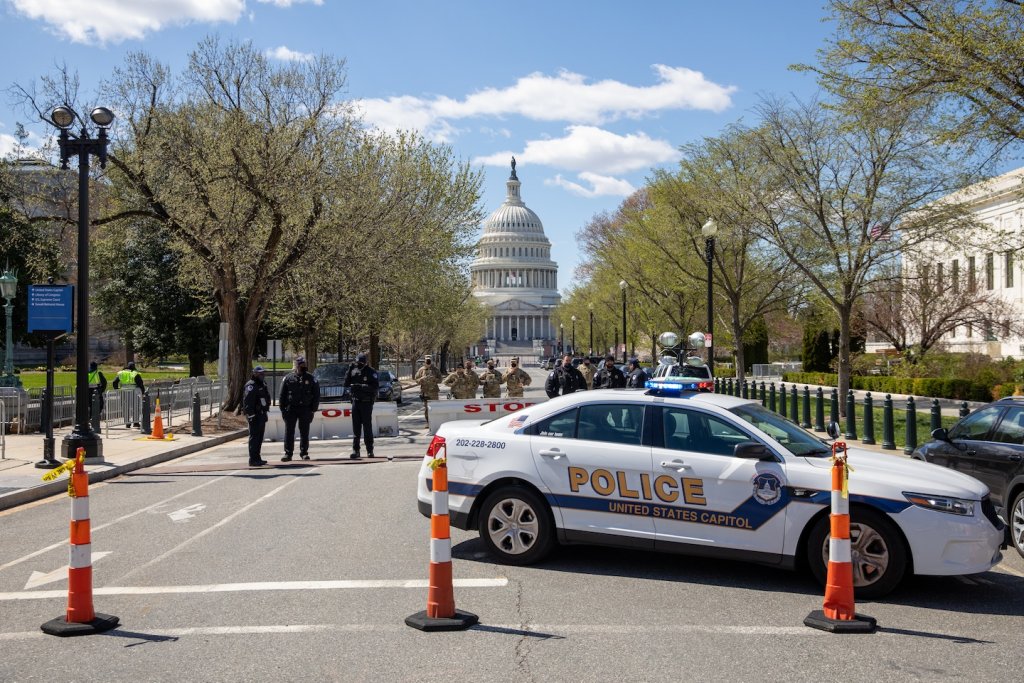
197 416
746 390
936 415
145 426
869 420
911 443
728 386
964 410
764 395
888 434
833 415
782 400
851 416
771 397
794 405
806 420
819 410
718 389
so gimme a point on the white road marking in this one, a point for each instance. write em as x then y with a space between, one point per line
40 579
116 521
213 528
259 586
1009 570
186 513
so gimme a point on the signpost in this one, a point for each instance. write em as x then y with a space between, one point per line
51 314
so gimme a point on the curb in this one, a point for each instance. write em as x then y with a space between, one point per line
53 488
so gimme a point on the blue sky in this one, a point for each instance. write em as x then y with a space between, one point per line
589 97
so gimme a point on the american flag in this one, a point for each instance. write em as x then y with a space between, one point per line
518 421
879 233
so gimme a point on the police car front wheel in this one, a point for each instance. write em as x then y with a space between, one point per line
877 551
516 526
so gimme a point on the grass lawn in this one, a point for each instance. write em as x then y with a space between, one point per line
32 380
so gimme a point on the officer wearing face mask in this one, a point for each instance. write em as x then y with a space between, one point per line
363 384
515 379
300 398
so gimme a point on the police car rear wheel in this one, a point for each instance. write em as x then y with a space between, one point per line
515 525
878 554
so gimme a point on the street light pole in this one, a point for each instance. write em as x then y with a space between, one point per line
561 338
82 146
574 335
709 230
9 288
591 307
625 344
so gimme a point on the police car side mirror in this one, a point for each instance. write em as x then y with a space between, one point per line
833 430
751 450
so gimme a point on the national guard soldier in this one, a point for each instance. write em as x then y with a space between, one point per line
129 379
363 385
97 385
256 405
609 377
492 381
516 379
463 382
300 397
428 377
565 379
587 370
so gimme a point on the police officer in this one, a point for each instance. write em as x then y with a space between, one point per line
428 377
637 378
97 385
363 384
256 405
609 376
565 379
516 379
129 379
300 398
463 382
587 370
492 381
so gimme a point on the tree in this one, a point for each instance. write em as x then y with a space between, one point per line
755 343
965 54
817 353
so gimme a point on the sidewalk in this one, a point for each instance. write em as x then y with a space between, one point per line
124 450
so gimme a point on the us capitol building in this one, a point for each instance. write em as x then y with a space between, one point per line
514 276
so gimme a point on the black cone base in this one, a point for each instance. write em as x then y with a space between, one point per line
859 623
47 464
460 622
65 629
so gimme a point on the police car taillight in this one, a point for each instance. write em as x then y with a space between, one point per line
435 447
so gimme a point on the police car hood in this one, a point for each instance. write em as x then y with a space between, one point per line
891 476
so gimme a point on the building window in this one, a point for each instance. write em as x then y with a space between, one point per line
1008 266
940 284
970 330
956 276
990 271
1006 329
971 284
925 280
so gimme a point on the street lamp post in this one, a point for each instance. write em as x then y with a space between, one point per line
82 146
625 344
9 288
590 306
574 335
709 230
561 338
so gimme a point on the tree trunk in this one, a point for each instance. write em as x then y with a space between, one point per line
241 345
443 356
374 349
129 348
737 335
341 343
196 363
845 366
309 344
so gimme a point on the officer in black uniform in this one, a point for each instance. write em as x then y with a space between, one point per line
363 384
300 398
609 376
255 405
565 379
637 378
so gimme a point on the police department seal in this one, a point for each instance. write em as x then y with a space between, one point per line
767 488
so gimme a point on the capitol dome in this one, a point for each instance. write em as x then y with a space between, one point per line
514 275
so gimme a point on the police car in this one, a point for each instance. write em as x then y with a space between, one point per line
674 469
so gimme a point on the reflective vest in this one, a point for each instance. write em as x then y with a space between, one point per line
127 378
94 378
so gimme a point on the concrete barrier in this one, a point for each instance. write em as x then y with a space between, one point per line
439 412
335 422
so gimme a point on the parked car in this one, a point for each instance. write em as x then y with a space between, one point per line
551 363
390 388
988 445
331 377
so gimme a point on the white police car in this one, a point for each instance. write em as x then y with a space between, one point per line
672 469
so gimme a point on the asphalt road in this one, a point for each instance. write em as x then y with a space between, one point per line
303 571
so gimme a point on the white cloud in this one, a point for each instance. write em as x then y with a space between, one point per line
565 97
600 185
103 21
593 150
285 55
289 3
8 145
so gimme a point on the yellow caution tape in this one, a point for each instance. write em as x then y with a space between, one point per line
57 471
436 462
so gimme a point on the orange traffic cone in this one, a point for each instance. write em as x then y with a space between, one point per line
839 614
81 619
158 425
440 614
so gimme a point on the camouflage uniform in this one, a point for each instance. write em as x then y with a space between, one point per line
428 377
463 383
515 380
588 374
492 381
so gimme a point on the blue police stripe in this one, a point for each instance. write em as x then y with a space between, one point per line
458 489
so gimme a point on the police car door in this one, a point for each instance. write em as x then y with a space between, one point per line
708 497
592 459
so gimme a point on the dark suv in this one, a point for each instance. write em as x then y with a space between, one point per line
988 445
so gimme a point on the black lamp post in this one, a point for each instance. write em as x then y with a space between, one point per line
8 289
82 146
561 338
574 335
709 230
625 344
591 308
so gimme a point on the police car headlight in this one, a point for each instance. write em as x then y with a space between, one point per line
955 506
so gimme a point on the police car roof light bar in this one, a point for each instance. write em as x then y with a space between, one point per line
670 387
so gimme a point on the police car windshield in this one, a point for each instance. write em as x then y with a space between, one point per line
685 370
789 434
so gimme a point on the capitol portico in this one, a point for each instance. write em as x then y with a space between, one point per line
513 273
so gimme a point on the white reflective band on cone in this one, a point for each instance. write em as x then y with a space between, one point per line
440 550
79 509
439 506
840 505
839 550
81 556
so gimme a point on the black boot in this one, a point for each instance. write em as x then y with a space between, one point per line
354 455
